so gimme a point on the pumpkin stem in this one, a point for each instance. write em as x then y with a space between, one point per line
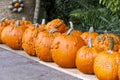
17 23
110 50
3 19
91 30
71 28
43 21
90 43
23 18
53 31
36 25
106 32
71 24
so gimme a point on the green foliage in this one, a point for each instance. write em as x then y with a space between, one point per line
101 14
101 18
113 5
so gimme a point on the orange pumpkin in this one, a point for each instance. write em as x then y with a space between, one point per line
91 34
13 35
119 71
43 43
106 64
2 26
29 36
56 24
74 32
85 57
103 41
64 49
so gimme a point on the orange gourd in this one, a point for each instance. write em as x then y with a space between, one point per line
65 47
3 24
85 57
43 44
106 64
119 71
103 41
56 24
91 34
29 36
13 35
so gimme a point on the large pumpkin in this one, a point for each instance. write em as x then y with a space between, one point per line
43 44
56 24
85 57
13 35
29 36
103 41
64 49
106 64
91 34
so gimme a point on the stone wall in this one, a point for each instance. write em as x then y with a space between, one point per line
27 12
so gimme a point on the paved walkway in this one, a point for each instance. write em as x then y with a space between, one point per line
16 67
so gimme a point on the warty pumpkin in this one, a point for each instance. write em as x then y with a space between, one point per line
91 34
43 44
29 36
56 24
64 49
119 71
4 32
3 24
103 41
13 35
85 58
106 64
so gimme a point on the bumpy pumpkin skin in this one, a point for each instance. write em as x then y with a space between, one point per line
85 59
106 65
57 24
119 72
103 41
64 50
86 35
13 37
28 40
2 26
29 37
9 22
4 34
42 45
75 33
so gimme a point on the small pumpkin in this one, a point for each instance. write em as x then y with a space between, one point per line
29 36
43 44
64 49
85 58
56 24
106 64
91 34
13 35
103 41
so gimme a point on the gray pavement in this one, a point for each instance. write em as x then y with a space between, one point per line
17 67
